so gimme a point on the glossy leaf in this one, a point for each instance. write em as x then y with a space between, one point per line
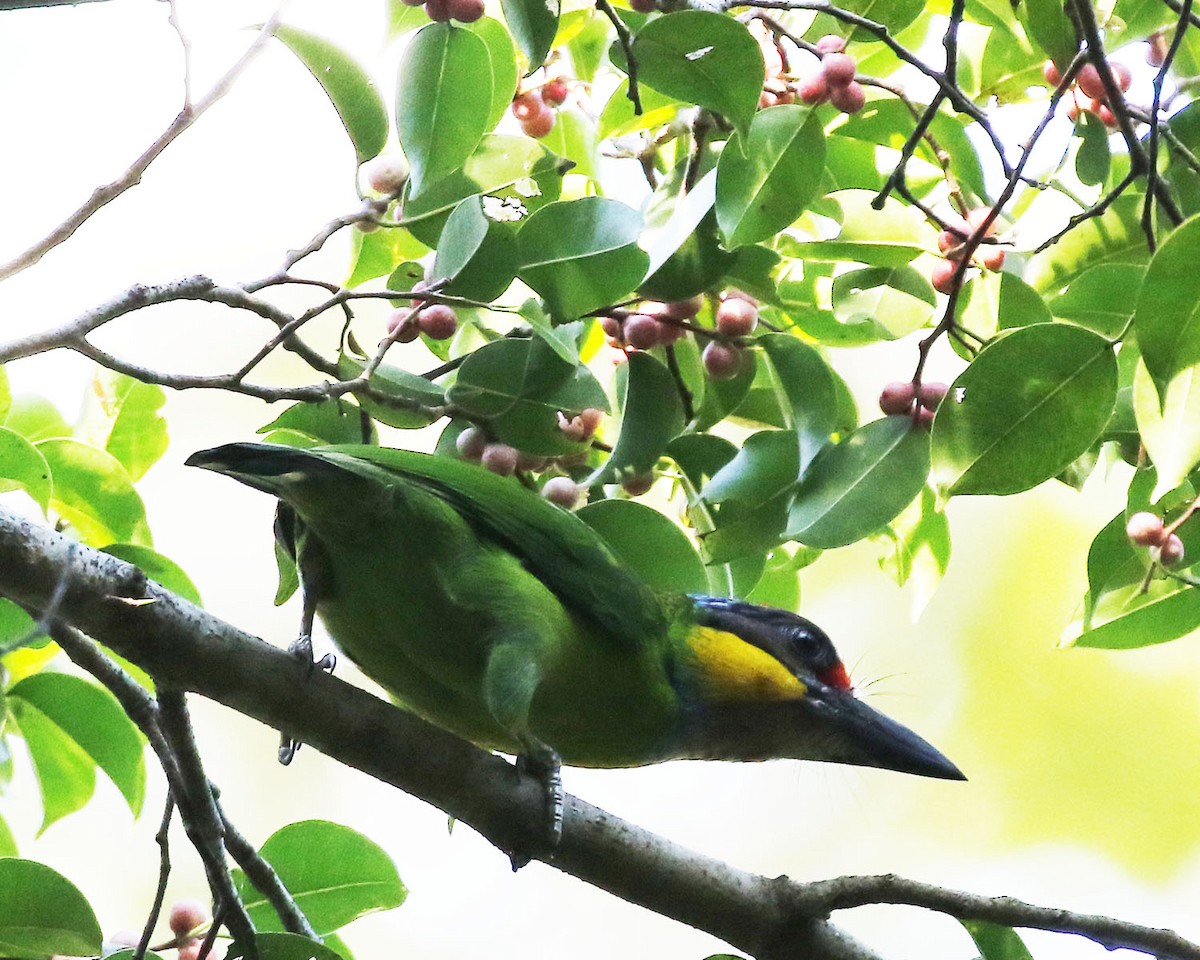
1047 23
766 465
23 466
282 946
43 913
1102 299
856 487
477 254
35 418
573 137
334 874
1168 617
805 379
1031 403
765 183
665 235
439 124
376 254
893 14
1171 434
122 415
1167 319
66 775
93 491
658 551
335 420
651 417
618 119
1114 237
533 24
409 391
503 60
996 942
894 301
348 87
581 254
704 58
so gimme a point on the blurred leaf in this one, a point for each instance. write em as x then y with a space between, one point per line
919 542
996 942
66 774
573 136
704 58
22 465
1032 402
856 487
765 183
43 913
393 381
1171 434
333 420
348 87
1046 22
1094 159
534 24
1113 563
8 845
376 254
1168 617
1167 319
35 418
617 119
651 417
121 415
587 45
334 874
403 18
581 254
157 567
5 394
439 123
282 946
893 14
767 464
15 626
657 550
503 58
805 379
93 492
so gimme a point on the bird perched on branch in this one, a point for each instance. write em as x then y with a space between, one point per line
500 617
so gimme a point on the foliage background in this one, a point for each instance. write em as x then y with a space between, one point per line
1083 765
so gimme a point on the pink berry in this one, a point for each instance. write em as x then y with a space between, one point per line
949 241
562 491
734 293
539 124
924 418
849 99
611 327
942 276
525 105
466 11
976 218
830 43
638 484
124 938
554 93
500 458
186 916
438 10
932 394
1145 529
992 257
531 462
897 397
190 950
398 322
471 444
839 69
643 6
1122 74
813 89
438 321
1089 81
736 317
721 361
386 173
1107 117
572 427
1156 49
767 99
1169 553
642 332
1051 73
591 418
414 3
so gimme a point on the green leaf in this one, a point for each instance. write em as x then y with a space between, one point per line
348 87
333 420
657 550
1047 23
1171 434
376 254
1031 403
765 183
65 773
15 626
573 136
8 843
996 942
504 64
91 718
334 874
534 24
1167 319
520 387
893 14
919 542
477 254
561 338
856 487
121 415
1114 237
767 464
806 381
443 100
403 18
395 382
651 417
617 119
5 394
890 237
22 465
93 491
282 946
36 418
704 58
1102 299
1168 617
581 254
895 301
157 567
1094 159
43 913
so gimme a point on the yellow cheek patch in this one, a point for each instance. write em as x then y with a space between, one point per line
732 670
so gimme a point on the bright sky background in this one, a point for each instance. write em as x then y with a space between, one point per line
1083 765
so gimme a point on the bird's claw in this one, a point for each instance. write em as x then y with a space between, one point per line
543 763
302 650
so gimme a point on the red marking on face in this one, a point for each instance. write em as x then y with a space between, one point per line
836 676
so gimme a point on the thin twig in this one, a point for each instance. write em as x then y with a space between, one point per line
626 41
162 838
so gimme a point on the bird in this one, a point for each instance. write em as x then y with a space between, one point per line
505 619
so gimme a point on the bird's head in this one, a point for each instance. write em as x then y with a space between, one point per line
762 683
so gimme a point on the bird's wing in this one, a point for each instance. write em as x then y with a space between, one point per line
555 546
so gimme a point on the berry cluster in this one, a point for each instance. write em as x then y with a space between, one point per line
465 11
834 79
1147 530
187 919
436 320
950 243
900 397
1090 94
535 108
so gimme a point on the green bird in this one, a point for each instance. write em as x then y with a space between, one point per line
508 621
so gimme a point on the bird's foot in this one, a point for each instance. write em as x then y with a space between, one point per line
302 650
543 763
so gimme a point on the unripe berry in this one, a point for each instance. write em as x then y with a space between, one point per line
539 124
676 309
830 43
639 484
190 950
611 326
736 317
562 491
531 462
471 444
1052 74
768 99
924 418
813 89
991 257
642 332
942 276
554 93
525 105
1169 553
591 418
1145 529
897 397
466 11
186 916
976 217
401 327
734 293
721 361
1089 81
839 70
1107 117
1156 49
500 458
572 427
932 394
1122 74
849 99
438 10
643 6
385 173
438 321
949 241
